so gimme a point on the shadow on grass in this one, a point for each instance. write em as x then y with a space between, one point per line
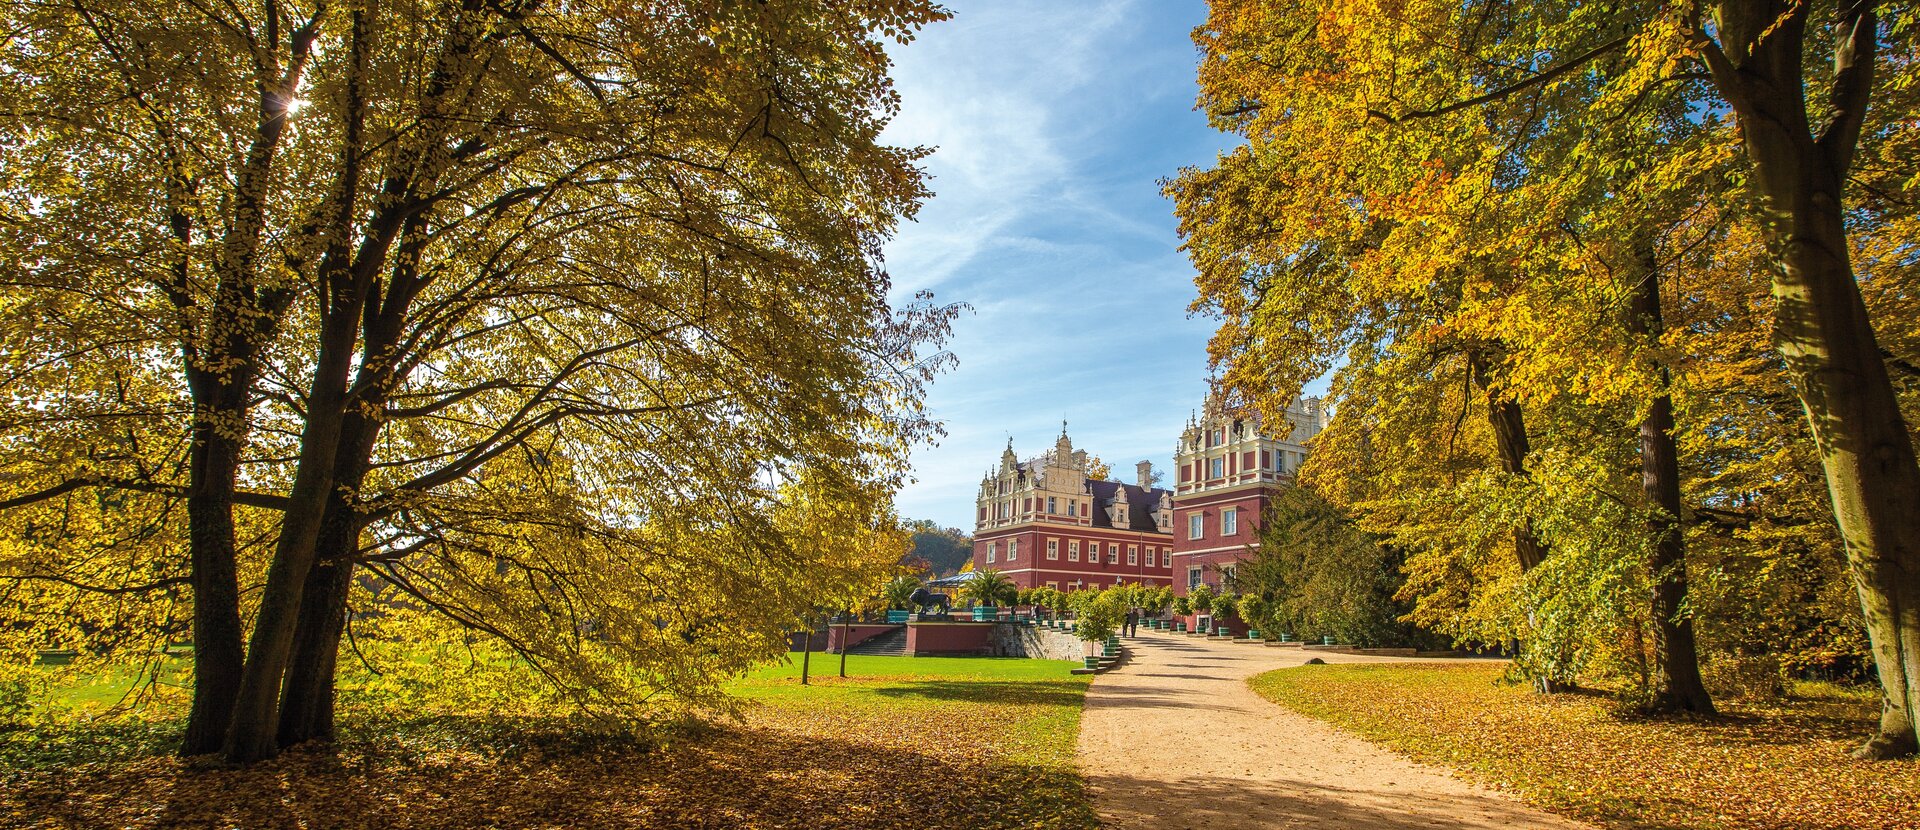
723 777
1062 693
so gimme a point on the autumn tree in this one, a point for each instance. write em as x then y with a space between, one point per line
1545 173
482 279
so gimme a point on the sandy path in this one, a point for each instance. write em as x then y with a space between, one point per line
1175 740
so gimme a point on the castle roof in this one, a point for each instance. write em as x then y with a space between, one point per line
1140 503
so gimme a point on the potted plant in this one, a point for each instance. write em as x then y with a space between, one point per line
1253 609
898 595
1201 598
1097 616
1225 606
1182 607
986 589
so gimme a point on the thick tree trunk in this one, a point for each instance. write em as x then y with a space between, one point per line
306 700
1821 326
219 650
1676 684
253 733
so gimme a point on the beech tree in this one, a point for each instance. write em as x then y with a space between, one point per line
467 282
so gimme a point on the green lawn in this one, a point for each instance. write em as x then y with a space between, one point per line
903 742
1778 766
94 689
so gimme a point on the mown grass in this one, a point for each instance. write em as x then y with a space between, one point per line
1778 765
904 742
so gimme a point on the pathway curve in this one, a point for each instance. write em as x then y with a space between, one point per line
1175 740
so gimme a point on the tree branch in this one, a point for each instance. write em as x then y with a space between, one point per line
1504 91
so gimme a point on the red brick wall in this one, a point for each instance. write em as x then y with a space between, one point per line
856 634
947 638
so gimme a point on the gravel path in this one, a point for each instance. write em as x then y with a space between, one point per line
1175 740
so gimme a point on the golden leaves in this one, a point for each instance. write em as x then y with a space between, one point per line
1777 766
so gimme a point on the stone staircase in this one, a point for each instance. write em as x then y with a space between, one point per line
890 644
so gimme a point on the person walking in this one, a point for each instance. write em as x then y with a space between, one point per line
1133 622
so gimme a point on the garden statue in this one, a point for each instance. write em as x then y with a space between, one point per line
924 599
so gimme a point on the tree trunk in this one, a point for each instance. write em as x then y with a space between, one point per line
846 629
1675 681
306 698
221 425
219 651
1510 441
806 654
1821 326
252 735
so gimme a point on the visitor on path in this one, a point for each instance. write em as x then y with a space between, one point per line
1133 622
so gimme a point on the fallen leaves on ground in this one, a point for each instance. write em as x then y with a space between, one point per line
1777 765
880 753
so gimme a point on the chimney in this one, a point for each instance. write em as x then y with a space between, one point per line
1144 472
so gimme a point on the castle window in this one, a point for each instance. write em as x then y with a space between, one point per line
1073 550
1193 578
1071 511
1133 554
1196 525
1013 549
1050 506
1217 467
1113 553
1053 548
1229 521
992 548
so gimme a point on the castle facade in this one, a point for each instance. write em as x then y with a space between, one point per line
1046 521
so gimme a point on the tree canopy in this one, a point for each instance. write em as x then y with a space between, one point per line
563 327
1601 326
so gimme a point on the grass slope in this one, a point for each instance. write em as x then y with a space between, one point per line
905 742
1775 766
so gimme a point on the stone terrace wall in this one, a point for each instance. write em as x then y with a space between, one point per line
1034 641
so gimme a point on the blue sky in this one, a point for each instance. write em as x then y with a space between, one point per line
1053 122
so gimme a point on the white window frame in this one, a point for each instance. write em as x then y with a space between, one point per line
1073 550
993 548
1196 525
1053 549
1229 521
1013 549
1051 504
1217 467
1113 553
1073 507
1194 580
1133 554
